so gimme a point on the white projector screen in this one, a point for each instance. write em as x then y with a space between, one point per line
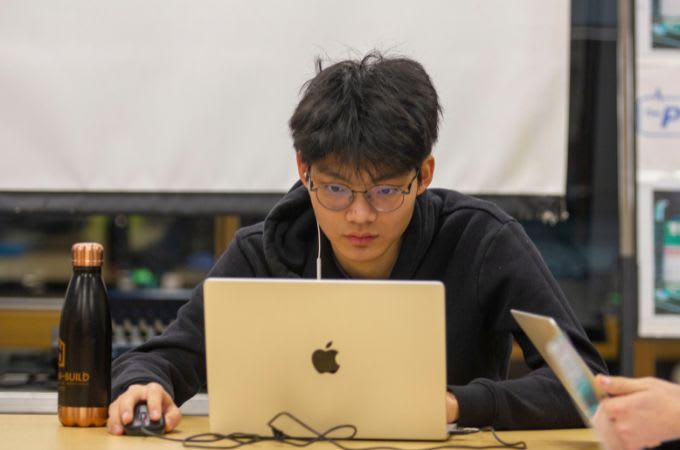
175 96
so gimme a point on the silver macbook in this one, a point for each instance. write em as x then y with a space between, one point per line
365 353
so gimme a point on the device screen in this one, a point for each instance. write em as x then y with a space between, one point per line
569 363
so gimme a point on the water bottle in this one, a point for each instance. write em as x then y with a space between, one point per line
84 363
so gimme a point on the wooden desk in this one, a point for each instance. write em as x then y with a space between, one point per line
44 432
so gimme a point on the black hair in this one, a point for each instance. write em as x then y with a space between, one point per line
379 114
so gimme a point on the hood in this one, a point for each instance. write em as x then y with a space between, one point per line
290 237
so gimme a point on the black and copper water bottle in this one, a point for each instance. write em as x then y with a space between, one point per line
84 371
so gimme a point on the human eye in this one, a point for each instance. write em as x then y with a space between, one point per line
385 191
335 189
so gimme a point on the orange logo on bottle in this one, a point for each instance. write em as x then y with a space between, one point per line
74 377
62 354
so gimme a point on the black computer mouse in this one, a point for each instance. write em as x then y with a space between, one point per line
142 422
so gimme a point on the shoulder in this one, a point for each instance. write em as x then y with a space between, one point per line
457 209
483 228
248 240
250 233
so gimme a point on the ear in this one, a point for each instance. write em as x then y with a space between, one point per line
302 167
426 174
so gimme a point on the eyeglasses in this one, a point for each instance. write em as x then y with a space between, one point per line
383 198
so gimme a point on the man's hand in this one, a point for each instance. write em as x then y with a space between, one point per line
452 412
643 412
158 402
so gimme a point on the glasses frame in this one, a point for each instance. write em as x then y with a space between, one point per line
404 192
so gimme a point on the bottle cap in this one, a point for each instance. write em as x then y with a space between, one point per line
87 254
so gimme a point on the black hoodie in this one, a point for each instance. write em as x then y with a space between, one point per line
487 264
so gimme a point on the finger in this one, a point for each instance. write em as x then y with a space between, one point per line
113 422
128 400
155 399
172 413
173 416
604 427
621 385
615 407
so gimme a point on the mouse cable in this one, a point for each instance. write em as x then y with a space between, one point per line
242 439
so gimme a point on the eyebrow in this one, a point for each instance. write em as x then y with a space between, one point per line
332 173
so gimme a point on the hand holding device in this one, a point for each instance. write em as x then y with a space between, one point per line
159 404
643 412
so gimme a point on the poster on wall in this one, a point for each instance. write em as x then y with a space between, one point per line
658 166
659 239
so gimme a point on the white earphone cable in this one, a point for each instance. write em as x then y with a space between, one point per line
318 256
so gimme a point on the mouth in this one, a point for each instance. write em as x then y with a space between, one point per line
361 239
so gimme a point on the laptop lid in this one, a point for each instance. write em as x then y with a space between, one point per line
365 353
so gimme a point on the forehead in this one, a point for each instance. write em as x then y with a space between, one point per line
368 172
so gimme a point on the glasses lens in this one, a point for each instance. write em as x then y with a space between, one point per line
334 196
385 198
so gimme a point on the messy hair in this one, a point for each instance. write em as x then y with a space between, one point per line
379 114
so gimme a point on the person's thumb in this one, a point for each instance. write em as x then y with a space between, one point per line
620 385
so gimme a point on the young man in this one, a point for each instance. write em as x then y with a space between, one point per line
363 134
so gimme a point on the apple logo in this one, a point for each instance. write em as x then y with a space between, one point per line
324 360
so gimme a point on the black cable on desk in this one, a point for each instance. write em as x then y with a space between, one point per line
242 439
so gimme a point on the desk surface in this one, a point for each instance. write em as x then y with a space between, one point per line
44 432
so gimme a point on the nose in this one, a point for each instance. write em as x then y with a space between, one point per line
360 211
